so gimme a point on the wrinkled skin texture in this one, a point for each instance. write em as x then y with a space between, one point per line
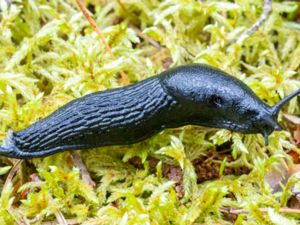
193 94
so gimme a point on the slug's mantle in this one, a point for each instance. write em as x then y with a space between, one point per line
194 94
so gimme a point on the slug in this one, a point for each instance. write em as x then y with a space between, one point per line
194 94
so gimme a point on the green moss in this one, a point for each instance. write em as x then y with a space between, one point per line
50 55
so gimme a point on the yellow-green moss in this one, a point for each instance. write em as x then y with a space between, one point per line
49 55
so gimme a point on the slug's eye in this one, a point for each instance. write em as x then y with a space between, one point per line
216 101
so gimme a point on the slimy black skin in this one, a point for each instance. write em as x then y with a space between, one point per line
193 94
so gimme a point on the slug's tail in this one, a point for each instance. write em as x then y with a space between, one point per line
7 152
276 108
9 149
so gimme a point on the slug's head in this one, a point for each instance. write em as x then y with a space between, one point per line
212 98
267 122
274 111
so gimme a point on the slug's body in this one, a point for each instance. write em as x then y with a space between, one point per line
193 94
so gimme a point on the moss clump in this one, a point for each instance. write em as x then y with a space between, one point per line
49 55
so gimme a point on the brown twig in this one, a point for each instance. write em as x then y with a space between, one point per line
8 180
258 23
12 172
282 210
100 34
145 37
83 171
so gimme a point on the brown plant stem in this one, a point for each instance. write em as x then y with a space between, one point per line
12 172
145 37
100 34
83 171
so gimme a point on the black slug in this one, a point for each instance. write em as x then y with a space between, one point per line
193 94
